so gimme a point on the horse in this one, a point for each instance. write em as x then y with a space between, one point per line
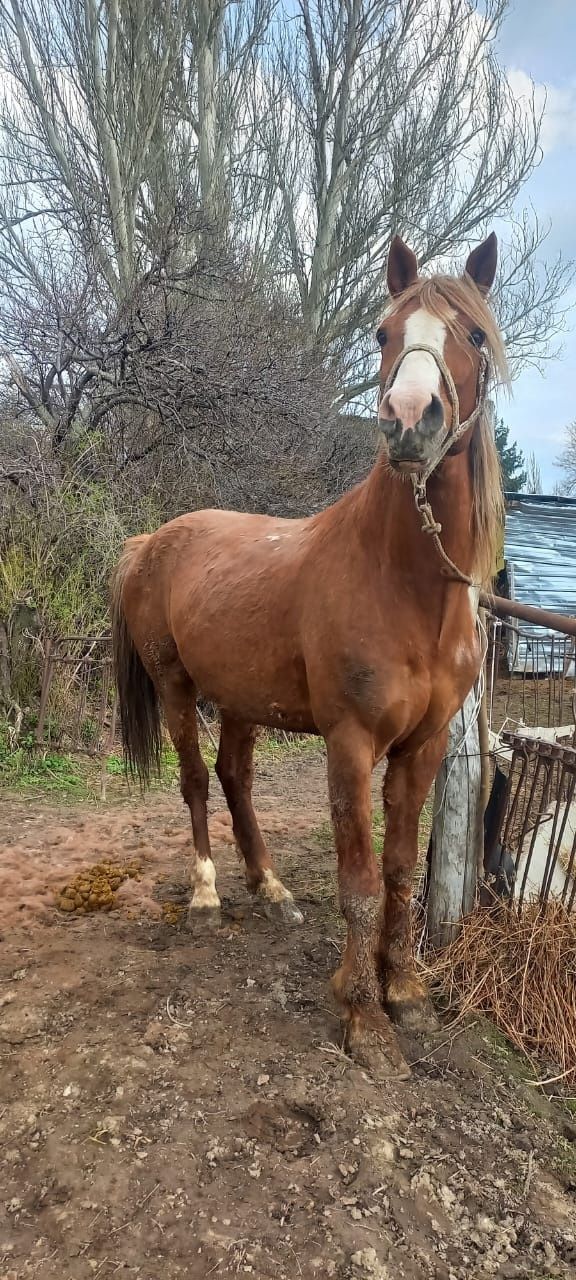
357 623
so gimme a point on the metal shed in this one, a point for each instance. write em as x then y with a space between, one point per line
540 553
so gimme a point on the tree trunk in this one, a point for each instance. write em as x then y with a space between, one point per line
457 832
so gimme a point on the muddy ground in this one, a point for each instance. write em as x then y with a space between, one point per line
178 1106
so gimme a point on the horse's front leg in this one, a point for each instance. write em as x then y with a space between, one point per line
406 785
370 1037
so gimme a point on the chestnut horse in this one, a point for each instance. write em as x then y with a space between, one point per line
351 624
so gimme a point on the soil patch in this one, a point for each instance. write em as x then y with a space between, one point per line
178 1106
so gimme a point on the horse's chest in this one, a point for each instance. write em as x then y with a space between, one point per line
388 697
451 678
419 690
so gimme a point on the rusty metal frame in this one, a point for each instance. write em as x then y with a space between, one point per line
95 658
541 774
547 694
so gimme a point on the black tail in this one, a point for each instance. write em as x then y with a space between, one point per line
137 697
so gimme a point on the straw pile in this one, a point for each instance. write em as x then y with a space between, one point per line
520 971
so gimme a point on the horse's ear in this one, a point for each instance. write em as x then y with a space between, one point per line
402 267
482 263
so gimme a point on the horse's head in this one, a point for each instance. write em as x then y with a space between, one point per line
434 339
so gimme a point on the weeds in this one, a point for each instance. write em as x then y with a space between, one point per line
325 837
27 769
31 769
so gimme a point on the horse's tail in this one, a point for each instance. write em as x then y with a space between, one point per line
137 698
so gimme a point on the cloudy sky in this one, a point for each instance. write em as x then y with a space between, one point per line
539 40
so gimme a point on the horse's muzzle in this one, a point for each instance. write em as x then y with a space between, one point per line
414 446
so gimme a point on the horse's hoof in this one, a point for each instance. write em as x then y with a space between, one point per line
417 1017
376 1049
285 910
203 919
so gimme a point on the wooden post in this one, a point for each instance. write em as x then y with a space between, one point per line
457 831
45 690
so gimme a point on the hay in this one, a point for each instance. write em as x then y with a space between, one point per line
520 971
567 862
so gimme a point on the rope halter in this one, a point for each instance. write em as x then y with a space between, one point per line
457 429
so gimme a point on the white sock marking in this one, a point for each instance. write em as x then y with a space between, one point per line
272 888
205 894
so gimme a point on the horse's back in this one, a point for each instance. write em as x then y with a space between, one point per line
225 524
220 592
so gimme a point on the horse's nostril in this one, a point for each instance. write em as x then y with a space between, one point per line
432 419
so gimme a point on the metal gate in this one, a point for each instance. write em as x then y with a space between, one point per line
530 830
78 704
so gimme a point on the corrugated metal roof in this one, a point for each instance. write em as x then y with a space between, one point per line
540 544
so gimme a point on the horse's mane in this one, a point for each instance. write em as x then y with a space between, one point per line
444 297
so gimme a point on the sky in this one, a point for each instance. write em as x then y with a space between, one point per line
539 40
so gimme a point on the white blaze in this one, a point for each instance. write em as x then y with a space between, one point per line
419 368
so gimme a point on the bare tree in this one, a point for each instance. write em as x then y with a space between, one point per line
213 95
123 129
85 92
388 116
534 475
144 138
567 461
115 115
201 389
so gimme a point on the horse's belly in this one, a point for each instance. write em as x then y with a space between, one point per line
291 721
252 679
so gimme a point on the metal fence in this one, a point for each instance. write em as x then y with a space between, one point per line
78 706
531 676
530 821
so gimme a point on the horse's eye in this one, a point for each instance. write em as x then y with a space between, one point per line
477 337
382 337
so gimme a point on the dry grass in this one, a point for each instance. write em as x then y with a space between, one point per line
520 971
567 860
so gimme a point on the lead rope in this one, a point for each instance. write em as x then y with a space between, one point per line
432 527
429 524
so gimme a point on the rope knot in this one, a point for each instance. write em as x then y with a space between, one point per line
429 523
432 526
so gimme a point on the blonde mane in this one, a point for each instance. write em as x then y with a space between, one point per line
443 296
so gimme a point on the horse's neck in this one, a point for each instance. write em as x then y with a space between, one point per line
395 524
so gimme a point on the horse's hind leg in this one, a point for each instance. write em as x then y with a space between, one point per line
235 770
179 699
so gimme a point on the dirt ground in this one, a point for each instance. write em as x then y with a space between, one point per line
175 1106
537 702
